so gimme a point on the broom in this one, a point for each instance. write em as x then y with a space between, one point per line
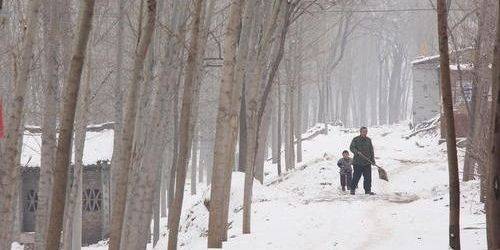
382 174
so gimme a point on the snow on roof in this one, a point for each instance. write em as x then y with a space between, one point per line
98 146
435 58
420 60
463 66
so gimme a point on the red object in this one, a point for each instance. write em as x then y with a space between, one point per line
1 120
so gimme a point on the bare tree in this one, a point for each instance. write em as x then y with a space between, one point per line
184 126
64 145
49 130
118 92
281 11
454 229
493 190
72 227
9 174
128 128
227 120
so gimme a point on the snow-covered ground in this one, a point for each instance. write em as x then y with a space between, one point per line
305 208
308 211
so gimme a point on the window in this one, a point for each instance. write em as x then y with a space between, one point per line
467 92
31 202
92 199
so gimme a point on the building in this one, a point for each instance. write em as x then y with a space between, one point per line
427 92
95 201
95 183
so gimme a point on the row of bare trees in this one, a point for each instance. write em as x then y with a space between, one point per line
190 86
485 120
164 56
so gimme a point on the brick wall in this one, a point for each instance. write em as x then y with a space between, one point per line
95 180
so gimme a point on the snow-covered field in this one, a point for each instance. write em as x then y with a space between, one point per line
305 208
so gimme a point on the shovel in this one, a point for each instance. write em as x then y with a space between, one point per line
382 174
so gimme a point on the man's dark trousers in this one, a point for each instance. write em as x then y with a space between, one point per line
366 171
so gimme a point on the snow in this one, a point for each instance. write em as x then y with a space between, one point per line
463 66
424 59
305 208
98 146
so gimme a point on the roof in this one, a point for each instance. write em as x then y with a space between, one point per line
98 147
428 59
434 59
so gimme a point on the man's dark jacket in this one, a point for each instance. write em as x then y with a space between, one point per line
364 146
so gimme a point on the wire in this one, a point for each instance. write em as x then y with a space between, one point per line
386 10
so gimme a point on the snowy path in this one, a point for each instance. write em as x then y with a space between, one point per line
308 211
305 208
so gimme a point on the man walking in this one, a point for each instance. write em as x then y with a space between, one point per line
362 148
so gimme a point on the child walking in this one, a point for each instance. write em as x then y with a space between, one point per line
345 165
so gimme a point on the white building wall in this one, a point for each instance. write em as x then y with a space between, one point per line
426 93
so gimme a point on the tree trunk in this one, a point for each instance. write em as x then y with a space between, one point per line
274 127
373 99
194 163
242 144
176 51
226 131
206 30
118 95
201 170
394 84
278 102
146 170
49 122
184 126
298 118
164 184
355 109
298 87
64 145
72 227
205 20
171 183
306 99
363 95
454 220
493 189
263 145
255 109
289 129
129 125
481 119
321 103
9 166
382 98
156 204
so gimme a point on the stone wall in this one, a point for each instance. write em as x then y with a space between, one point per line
95 201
